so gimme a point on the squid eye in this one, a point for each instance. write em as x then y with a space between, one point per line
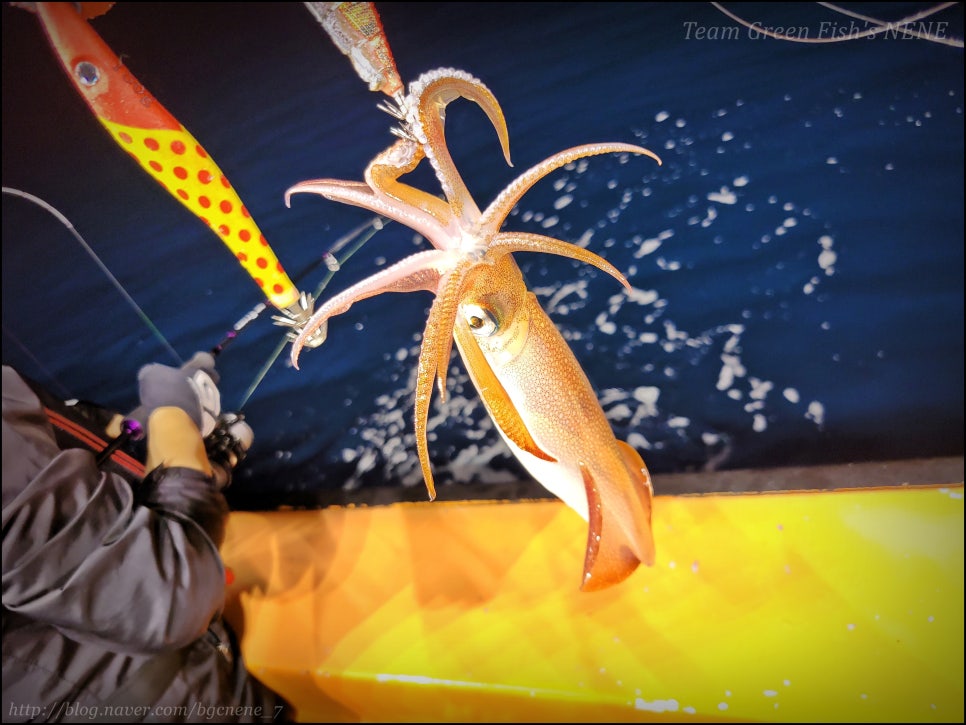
482 321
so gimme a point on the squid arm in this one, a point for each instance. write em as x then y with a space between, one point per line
357 193
420 271
382 177
525 242
498 210
434 91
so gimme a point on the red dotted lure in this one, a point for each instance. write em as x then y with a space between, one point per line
162 146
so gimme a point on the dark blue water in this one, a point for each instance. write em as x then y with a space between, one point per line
797 261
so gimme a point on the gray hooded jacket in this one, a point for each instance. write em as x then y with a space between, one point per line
112 594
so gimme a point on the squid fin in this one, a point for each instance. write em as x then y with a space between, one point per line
612 553
642 495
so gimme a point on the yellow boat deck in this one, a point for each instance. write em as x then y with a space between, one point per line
842 605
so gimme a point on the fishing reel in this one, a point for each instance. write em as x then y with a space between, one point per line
227 445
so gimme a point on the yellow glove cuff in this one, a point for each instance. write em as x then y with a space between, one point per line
175 441
114 427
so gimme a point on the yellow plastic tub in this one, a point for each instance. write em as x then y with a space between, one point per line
797 606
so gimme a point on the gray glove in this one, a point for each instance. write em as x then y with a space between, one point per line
192 387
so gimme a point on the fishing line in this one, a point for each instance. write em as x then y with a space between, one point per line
333 264
66 393
120 288
377 225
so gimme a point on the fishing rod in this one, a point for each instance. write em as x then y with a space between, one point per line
359 235
103 267
231 437
328 259
334 265
223 441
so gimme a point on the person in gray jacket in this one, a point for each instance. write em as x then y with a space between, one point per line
113 585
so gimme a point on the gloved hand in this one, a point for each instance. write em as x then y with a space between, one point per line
192 387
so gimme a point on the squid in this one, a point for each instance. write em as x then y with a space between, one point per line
527 377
